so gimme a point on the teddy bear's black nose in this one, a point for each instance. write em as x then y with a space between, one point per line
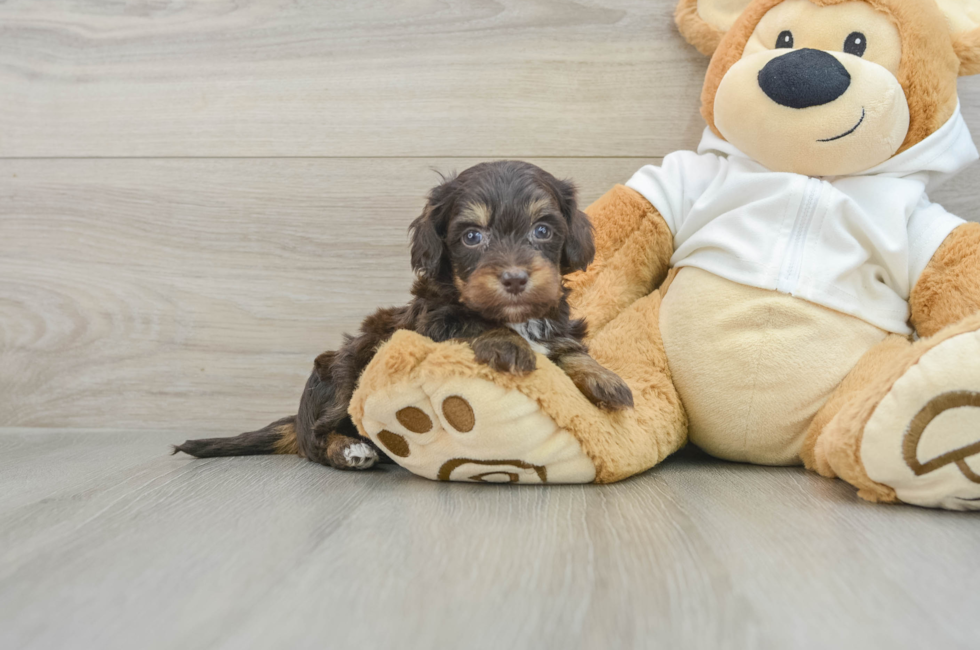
804 78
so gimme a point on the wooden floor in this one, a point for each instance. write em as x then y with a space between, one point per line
197 197
108 542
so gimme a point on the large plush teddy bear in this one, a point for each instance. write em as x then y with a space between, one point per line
787 294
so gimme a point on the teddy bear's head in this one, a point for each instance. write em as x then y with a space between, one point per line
831 87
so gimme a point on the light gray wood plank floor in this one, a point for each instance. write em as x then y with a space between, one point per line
108 542
197 197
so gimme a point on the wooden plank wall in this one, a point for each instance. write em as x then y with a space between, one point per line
197 197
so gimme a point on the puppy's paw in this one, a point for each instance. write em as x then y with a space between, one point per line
609 392
505 354
351 454
360 456
601 386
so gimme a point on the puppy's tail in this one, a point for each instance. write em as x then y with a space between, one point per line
276 438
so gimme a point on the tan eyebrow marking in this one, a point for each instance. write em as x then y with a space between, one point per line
536 207
479 213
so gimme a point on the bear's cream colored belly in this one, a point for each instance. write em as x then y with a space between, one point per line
753 366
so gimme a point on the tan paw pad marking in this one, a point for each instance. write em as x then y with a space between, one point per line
472 430
923 438
394 443
459 414
501 474
939 405
414 419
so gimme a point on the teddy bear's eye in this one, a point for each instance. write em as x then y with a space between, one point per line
784 40
856 44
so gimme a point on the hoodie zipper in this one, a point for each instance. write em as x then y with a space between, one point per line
789 276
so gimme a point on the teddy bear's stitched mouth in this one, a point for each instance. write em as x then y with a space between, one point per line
853 129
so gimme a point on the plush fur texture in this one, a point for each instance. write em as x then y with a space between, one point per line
736 354
868 372
618 443
835 450
929 63
633 245
949 289
967 48
698 32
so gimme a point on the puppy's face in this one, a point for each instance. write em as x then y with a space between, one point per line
503 233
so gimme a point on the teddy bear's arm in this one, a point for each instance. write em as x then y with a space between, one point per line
633 250
949 288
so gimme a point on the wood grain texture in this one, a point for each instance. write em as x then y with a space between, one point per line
511 78
167 293
105 541
195 293
185 292
197 196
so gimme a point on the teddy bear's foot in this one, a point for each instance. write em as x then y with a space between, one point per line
923 438
470 429
442 414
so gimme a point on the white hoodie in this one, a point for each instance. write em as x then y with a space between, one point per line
856 243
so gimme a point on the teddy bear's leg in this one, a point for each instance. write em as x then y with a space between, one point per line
632 347
949 288
905 424
442 414
633 250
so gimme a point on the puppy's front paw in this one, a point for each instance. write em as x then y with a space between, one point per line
505 354
609 392
602 387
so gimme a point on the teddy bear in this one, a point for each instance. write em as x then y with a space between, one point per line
787 294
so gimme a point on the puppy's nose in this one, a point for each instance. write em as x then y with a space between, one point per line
804 78
514 281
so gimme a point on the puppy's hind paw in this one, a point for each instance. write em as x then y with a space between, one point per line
360 456
351 454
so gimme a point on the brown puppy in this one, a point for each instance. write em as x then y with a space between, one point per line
490 250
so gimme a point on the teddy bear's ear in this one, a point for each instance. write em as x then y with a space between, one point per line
703 23
963 17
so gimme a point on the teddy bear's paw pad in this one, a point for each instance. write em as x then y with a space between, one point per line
473 430
923 439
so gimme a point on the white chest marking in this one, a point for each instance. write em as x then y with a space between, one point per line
533 331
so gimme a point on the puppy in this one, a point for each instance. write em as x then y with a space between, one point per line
489 252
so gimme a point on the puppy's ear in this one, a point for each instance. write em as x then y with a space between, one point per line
579 244
323 364
428 251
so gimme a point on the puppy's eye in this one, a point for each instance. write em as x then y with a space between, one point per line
784 40
856 44
542 232
472 237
